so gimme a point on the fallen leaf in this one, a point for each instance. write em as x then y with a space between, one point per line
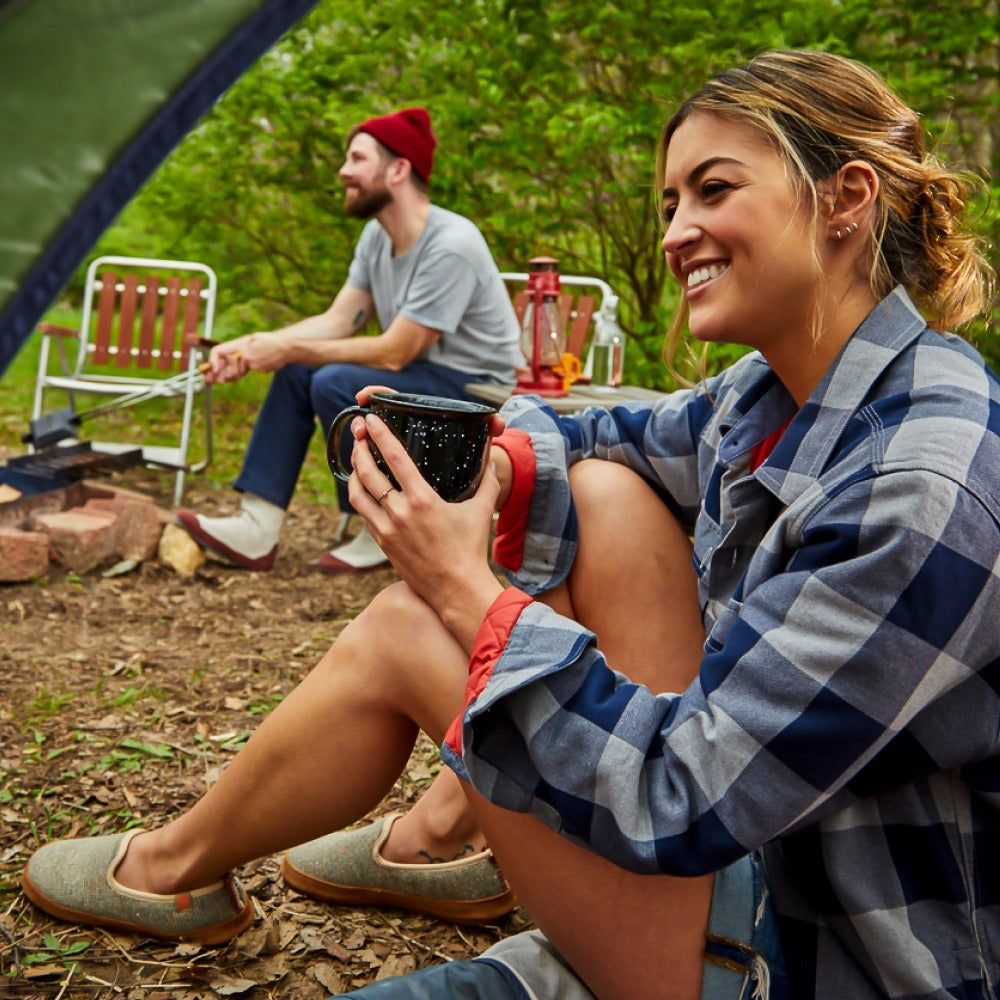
328 977
312 939
108 722
259 940
43 971
121 568
354 941
286 934
228 986
369 956
397 965
382 948
336 950
271 969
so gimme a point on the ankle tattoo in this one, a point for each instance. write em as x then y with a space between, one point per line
436 860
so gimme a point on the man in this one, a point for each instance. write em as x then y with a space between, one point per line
446 320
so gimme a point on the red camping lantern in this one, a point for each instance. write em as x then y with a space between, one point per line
550 370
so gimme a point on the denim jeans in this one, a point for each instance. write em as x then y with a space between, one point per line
299 395
743 958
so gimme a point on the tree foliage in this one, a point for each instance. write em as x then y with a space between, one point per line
547 115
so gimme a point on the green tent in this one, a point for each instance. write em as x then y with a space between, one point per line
93 96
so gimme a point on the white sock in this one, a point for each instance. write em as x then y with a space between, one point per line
252 532
361 551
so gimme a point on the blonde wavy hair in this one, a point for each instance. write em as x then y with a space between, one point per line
819 111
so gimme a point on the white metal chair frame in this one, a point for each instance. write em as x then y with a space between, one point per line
186 382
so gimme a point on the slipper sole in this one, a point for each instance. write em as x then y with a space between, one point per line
456 911
213 934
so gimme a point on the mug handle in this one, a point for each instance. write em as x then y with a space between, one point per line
333 440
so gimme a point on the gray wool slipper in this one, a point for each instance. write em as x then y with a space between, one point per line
74 880
347 868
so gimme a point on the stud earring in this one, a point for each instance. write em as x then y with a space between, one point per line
854 227
840 235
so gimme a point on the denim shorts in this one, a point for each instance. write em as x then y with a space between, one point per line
743 959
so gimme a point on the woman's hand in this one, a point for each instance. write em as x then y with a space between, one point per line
364 395
438 548
499 459
503 469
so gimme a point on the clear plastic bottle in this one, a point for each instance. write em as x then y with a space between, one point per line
609 345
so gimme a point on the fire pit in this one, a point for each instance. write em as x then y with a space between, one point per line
49 510
49 479
67 463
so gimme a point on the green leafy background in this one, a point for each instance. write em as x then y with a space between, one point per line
547 115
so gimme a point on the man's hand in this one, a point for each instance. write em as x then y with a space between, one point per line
267 352
226 362
259 352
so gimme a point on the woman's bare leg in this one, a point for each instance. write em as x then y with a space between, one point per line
439 826
632 583
324 757
311 767
608 586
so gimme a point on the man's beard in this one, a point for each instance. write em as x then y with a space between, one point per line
364 206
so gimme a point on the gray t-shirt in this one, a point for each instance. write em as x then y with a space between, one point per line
448 282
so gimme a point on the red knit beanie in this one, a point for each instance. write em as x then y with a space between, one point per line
408 134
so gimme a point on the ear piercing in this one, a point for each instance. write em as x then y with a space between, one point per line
852 228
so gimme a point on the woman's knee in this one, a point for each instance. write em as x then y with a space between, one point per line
608 487
632 580
618 508
393 612
593 480
397 647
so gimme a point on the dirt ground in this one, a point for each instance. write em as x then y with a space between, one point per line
121 699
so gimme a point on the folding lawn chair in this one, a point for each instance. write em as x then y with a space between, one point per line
141 334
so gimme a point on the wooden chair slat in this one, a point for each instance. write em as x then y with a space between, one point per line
579 325
137 333
168 328
55 330
147 324
566 307
520 305
106 303
126 320
192 311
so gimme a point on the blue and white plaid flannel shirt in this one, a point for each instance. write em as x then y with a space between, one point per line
845 720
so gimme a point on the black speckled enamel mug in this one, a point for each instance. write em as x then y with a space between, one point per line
448 439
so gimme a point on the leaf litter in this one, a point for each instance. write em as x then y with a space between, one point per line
122 698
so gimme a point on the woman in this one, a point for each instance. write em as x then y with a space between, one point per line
823 796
